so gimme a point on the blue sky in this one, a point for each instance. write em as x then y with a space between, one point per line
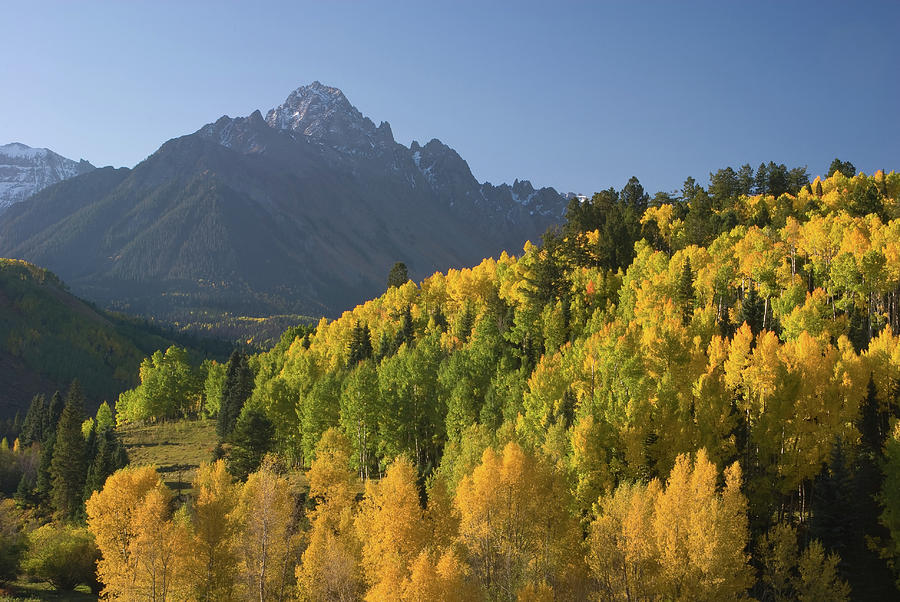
575 95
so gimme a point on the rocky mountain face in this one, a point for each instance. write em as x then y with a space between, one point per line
25 170
301 211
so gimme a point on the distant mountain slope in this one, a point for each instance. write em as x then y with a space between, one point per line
303 212
49 337
25 171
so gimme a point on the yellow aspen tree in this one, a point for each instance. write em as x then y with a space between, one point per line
391 526
701 535
213 561
265 541
441 520
118 518
536 592
160 547
331 482
622 553
512 534
330 566
439 576
423 584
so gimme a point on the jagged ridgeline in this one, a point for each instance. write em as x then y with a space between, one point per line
301 212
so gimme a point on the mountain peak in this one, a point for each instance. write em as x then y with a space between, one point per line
324 115
19 150
25 170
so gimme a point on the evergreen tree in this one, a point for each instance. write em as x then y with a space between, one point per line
466 322
547 279
844 167
685 295
797 178
25 490
699 224
235 392
745 180
110 457
67 468
54 412
35 419
385 347
833 516
398 276
406 333
761 181
42 485
778 179
49 420
752 310
251 439
633 196
868 574
723 186
689 189
360 346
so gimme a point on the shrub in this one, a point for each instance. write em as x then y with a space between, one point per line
62 555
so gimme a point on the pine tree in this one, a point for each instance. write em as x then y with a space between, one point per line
49 420
360 346
35 418
398 276
251 439
752 310
110 457
406 333
685 293
42 485
67 469
53 413
844 167
833 519
235 392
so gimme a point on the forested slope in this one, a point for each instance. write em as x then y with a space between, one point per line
647 352
48 337
684 398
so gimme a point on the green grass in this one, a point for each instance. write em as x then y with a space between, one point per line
175 448
23 591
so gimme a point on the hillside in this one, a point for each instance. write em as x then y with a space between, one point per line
735 376
175 448
301 212
49 337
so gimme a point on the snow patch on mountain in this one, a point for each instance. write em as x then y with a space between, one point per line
25 170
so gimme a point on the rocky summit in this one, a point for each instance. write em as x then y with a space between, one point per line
25 171
301 211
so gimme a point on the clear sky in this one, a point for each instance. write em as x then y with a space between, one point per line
575 95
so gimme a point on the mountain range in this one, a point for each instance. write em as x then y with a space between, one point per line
303 211
25 171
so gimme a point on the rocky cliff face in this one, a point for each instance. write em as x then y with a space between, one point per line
25 171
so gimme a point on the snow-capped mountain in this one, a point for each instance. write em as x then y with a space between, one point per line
25 170
301 211
323 116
